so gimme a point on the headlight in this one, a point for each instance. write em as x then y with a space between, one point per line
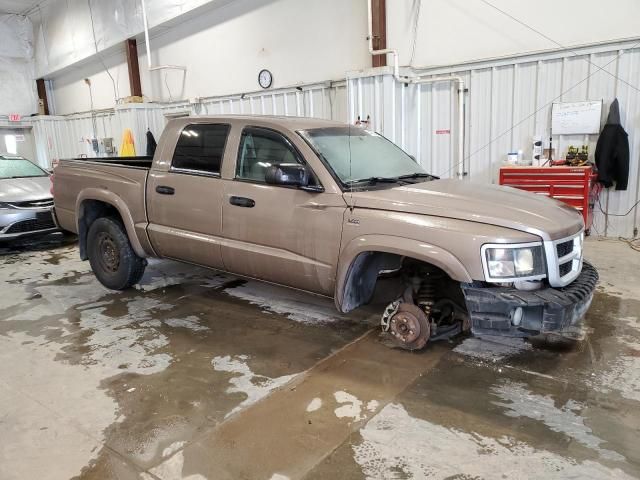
511 262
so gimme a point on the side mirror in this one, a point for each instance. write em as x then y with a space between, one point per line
292 174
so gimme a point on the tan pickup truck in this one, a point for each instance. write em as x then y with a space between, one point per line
338 211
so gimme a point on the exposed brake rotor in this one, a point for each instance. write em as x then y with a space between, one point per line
409 326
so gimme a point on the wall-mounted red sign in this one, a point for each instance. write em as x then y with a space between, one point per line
14 117
443 132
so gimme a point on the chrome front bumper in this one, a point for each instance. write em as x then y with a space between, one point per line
18 223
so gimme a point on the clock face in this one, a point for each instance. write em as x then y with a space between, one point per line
265 78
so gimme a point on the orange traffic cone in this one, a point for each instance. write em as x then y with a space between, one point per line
128 148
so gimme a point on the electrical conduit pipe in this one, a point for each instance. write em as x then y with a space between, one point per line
419 80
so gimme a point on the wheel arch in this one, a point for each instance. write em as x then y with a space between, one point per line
364 257
95 203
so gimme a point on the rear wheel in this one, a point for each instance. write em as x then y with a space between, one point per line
112 259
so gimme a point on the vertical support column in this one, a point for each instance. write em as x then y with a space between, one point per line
42 95
131 47
379 31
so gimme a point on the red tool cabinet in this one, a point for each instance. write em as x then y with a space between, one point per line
572 185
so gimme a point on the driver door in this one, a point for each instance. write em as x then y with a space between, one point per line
278 233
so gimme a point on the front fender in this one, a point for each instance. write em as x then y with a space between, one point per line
119 204
406 247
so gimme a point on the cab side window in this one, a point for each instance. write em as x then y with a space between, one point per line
259 149
200 148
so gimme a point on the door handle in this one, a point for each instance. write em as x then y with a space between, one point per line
164 190
242 202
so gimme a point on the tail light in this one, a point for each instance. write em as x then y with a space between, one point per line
52 177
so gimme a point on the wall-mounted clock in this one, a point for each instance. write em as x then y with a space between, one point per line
265 79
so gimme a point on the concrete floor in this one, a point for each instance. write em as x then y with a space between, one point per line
198 376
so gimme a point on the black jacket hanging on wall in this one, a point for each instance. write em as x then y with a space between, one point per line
151 144
612 151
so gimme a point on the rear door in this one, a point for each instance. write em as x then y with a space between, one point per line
277 233
185 203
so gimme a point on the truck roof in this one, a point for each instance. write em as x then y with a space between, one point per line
286 122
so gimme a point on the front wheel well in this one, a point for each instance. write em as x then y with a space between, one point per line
369 267
89 212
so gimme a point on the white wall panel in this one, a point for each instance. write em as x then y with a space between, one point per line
72 30
17 88
239 38
67 136
450 32
508 103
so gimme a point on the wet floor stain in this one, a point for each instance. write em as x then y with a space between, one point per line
511 408
150 359
518 401
396 445
131 384
246 382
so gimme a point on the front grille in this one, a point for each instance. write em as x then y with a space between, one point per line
565 268
42 203
564 257
43 221
564 248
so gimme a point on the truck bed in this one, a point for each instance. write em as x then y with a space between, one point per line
119 181
139 161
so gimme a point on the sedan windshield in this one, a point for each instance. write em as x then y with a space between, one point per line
18 167
360 156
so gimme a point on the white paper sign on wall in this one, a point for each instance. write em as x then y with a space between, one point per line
575 118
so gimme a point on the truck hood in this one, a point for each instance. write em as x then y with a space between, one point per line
24 189
489 204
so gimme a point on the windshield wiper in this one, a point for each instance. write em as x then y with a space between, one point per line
374 180
418 175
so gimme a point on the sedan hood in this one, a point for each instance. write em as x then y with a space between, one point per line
490 204
24 189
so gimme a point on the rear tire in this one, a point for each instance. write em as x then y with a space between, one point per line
111 256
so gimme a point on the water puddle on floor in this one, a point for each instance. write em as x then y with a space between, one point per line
396 445
498 407
161 363
245 381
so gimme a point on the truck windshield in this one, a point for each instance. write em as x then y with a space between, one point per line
360 156
18 167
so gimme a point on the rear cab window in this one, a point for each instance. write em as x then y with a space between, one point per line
200 149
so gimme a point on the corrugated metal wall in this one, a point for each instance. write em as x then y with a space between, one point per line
67 136
63 137
320 100
508 102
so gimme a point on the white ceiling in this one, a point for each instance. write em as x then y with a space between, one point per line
17 6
